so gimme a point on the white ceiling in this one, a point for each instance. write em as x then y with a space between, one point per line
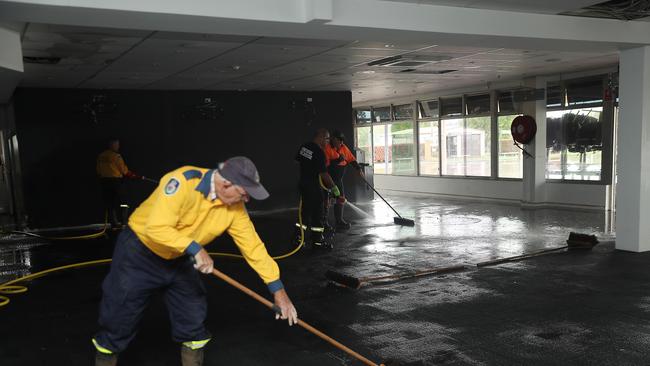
132 59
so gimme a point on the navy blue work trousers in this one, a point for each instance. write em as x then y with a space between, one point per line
137 274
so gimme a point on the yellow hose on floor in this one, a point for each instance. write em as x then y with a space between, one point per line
80 237
8 288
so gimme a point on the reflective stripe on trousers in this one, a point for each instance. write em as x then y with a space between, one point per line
196 344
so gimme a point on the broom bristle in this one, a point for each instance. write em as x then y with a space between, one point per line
345 280
404 222
581 241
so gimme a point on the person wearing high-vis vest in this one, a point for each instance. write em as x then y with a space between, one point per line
338 157
162 249
314 184
111 170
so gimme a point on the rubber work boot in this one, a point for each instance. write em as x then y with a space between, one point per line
338 214
191 357
317 239
103 359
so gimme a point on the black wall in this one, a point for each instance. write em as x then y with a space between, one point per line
160 130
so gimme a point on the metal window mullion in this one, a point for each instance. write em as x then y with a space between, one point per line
439 141
607 134
494 138
372 146
563 160
464 117
416 138
385 157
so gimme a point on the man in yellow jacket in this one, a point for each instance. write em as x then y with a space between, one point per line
111 170
162 248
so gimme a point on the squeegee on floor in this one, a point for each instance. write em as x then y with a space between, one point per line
399 220
357 282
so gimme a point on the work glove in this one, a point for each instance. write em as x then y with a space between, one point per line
335 191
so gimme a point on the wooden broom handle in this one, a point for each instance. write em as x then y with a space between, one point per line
308 327
414 274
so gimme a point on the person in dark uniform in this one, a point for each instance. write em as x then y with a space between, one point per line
314 184
111 170
161 250
338 157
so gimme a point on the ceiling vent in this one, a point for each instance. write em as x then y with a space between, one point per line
41 60
615 9
410 61
428 72
385 61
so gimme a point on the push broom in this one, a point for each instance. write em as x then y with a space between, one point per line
575 241
357 282
301 323
399 220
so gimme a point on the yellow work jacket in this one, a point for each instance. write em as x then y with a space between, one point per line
111 165
179 218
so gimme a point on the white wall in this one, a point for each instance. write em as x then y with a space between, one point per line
560 195
589 196
501 190
11 62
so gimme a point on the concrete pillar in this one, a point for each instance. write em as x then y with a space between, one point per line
633 187
534 180
11 62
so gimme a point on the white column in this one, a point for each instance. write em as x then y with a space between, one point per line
11 62
633 187
534 192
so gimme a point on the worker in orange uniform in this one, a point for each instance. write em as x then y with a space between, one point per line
112 170
338 157
161 250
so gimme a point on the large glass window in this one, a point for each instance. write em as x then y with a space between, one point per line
428 108
453 161
363 115
379 149
582 92
364 142
574 144
403 111
477 104
401 160
506 102
452 106
381 114
429 148
511 162
477 146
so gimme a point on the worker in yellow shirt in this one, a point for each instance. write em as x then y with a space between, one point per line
111 170
162 249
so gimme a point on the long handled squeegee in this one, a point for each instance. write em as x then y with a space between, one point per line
356 282
399 220
308 327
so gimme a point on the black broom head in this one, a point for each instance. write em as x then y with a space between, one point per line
581 241
345 280
404 222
